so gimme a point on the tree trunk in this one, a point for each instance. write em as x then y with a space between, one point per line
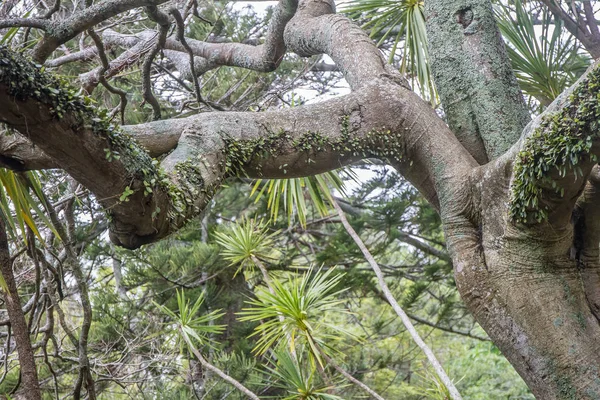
526 290
532 284
30 388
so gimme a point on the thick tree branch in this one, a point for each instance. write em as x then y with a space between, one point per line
19 154
556 154
381 119
292 142
480 95
315 29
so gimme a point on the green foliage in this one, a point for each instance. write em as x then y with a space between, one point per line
547 63
131 341
27 80
403 23
245 240
292 191
191 326
292 376
293 311
17 203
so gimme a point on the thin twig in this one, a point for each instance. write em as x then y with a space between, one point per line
220 373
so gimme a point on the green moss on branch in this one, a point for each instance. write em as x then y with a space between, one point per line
27 81
559 145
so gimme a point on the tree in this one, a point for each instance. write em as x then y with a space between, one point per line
517 197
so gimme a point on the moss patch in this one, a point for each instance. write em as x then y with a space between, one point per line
26 80
561 142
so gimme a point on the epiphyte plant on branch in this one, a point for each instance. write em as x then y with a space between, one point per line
517 197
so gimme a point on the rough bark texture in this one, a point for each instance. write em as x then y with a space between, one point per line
522 230
30 388
482 101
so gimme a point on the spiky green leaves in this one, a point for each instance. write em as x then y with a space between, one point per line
299 378
192 326
293 312
245 240
545 64
401 22
291 191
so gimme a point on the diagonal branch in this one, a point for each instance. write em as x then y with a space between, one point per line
556 155
577 27
439 370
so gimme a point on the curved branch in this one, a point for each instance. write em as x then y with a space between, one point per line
59 32
315 29
265 57
380 119
164 24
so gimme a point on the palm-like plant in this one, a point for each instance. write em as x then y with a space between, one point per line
291 191
401 22
298 377
546 60
293 311
195 329
18 204
245 242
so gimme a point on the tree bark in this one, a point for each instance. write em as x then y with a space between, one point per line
30 388
479 92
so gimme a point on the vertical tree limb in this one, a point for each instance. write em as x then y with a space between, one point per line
163 21
29 377
479 92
